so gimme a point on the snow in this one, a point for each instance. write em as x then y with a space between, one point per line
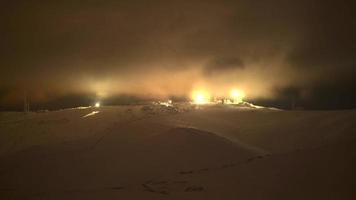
178 152
91 114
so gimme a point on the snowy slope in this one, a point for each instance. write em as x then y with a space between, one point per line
153 152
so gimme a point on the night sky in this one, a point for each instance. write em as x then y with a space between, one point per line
68 53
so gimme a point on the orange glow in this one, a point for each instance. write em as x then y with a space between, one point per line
237 95
200 97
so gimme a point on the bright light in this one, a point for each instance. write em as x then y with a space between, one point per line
237 95
165 103
97 104
200 97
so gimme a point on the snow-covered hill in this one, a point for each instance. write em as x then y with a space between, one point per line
180 152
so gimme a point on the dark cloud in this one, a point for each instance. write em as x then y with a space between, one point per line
325 95
329 38
55 49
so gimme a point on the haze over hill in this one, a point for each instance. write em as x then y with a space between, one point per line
69 52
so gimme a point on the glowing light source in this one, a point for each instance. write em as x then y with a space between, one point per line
166 103
200 97
97 104
237 95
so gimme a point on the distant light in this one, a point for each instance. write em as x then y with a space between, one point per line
97 104
237 95
200 97
165 103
